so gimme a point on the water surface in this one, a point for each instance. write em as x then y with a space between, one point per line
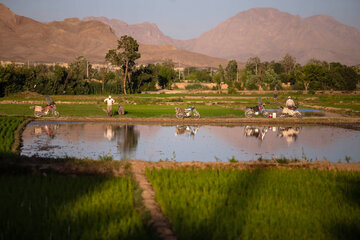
189 143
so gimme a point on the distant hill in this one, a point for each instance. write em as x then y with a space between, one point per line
146 33
263 32
24 39
270 34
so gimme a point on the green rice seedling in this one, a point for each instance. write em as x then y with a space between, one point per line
106 157
8 125
16 109
57 207
259 204
233 160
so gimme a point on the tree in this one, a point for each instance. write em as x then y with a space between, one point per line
124 56
288 62
221 73
252 82
343 77
231 72
144 79
271 78
314 77
80 68
252 64
166 73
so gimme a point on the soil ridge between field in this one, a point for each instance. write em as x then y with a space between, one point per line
157 220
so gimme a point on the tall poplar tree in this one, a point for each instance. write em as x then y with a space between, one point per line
124 56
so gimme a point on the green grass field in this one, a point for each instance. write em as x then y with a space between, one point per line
259 204
162 105
58 207
95 110
8 125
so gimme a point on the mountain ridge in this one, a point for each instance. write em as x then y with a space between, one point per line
269 34
263 32
24 39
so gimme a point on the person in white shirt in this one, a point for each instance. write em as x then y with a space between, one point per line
109 102
290 103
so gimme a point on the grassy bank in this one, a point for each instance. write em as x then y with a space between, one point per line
159 105
260 204
142 111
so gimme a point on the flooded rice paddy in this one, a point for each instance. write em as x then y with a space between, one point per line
97 140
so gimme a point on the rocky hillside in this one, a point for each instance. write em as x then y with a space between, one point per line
24 39
270 34
263 32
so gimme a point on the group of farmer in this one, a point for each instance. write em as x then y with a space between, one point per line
290 104
110 101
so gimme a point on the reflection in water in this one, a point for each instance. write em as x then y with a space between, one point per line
186 130
153 142
289 133
256 132
126 137
49 130
109 132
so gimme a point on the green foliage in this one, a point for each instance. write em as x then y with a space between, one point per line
231 71
166 74
124 56
271 78
200 76
288 63
232 90
56 207
252 65
252 82
233 160
259 204
196 86
8 125
144 79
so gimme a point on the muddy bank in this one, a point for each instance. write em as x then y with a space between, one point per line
116 168
336 121
320 165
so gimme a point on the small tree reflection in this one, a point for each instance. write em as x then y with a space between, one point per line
126 138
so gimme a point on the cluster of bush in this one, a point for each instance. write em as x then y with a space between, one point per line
80 78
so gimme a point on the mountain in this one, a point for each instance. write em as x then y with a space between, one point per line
263 32
24 39
270 34
155 54
146 33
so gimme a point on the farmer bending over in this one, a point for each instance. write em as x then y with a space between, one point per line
290 103
110 102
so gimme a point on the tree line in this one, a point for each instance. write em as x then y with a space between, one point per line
80 78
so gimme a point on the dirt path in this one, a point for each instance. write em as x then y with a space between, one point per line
158 220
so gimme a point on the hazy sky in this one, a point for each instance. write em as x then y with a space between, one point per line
180 19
